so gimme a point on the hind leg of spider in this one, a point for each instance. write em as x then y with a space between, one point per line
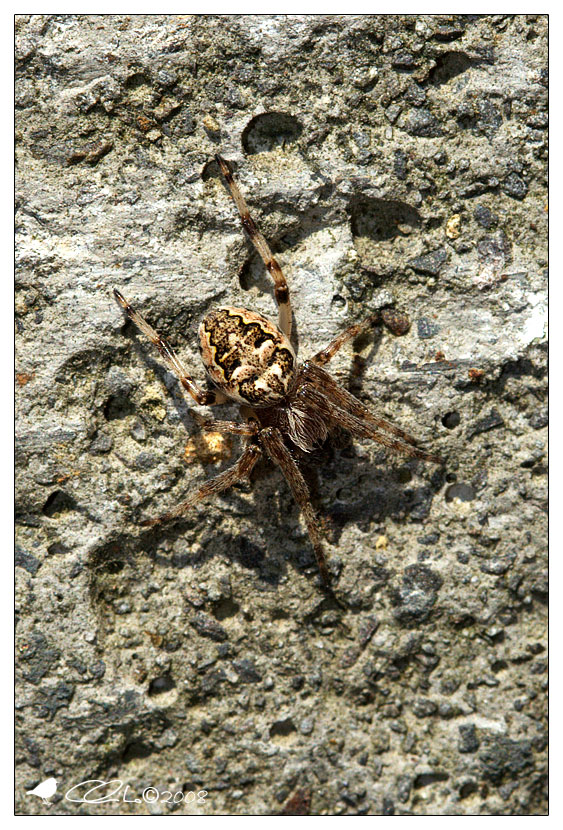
323 380
325 383
200 396
362 428
223 481
281 290
346 411
280 455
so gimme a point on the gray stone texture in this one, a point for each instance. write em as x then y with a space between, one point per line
387 159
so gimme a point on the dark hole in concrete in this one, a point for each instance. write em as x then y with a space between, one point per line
58 502
379 219
448 66
111 558
280 614
404 475
211 170
161 684
451 420
225 608
427 778
271 129
249 555
136 749
245 274
282 728
137 80
114 566
118 406
467 789
461 491
57 549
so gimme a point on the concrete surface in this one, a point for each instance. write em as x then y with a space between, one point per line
389 158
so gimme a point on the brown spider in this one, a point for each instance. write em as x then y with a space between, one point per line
285 404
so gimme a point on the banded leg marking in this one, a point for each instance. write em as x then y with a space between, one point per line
223 481
280 455
200 396
281 290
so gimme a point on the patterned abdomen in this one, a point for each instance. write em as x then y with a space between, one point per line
247 356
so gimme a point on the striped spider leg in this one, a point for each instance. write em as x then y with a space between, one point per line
281 290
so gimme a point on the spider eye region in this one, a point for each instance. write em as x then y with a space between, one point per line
247 356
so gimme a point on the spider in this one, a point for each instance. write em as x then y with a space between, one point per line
285 404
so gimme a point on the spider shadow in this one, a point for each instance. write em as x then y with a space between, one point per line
245 548
184 407
382 493
349 489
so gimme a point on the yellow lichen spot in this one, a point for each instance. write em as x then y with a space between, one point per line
381 542
453 226
208 448
210 125
159 413
153 400
156 639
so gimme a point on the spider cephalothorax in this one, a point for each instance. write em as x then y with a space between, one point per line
285 405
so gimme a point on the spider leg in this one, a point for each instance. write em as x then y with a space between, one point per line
200 396
395 321
280 455
226 427
326 354
215 485
363 429
281 290
326 384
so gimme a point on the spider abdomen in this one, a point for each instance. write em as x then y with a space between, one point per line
247 356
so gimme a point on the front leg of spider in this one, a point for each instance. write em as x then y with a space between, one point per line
250 361
281 290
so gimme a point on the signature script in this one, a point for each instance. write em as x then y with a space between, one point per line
95 791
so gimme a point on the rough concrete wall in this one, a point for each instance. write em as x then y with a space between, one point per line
387 159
